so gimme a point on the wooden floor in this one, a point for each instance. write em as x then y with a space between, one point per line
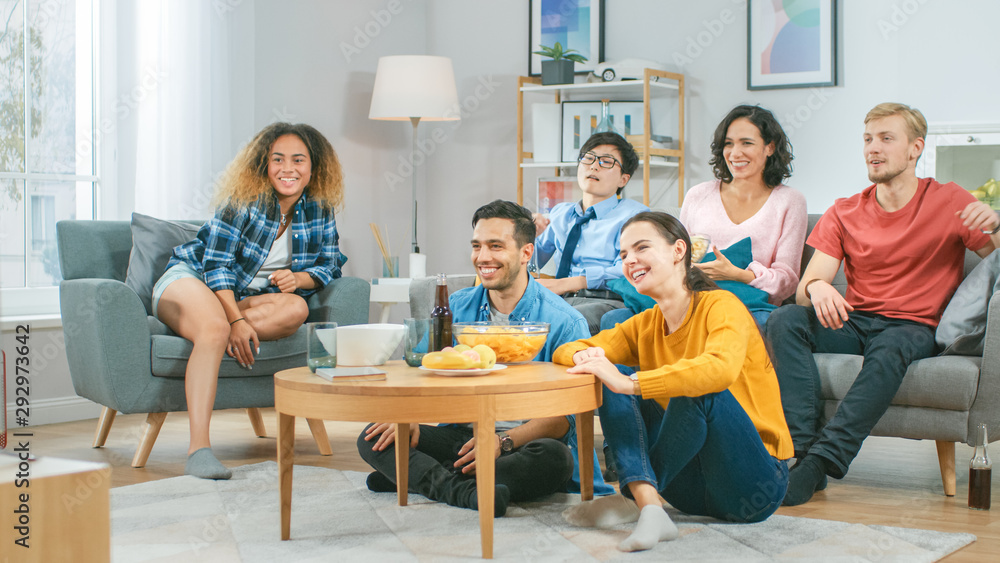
893 482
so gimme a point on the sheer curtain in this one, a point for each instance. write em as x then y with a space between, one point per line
185 52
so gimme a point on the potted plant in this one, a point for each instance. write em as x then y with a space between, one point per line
560 69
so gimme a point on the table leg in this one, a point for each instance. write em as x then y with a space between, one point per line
485 432
286 450
585 441
402 461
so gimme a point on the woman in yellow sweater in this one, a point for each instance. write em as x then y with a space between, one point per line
701 422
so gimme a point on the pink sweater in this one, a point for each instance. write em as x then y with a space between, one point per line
777 233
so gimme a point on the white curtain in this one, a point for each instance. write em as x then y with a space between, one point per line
184 139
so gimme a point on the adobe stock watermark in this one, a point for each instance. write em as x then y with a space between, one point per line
697 44
150 80
795 119
223 7
899 16
366 33
438 136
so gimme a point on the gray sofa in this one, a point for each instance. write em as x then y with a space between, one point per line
943 398
130 362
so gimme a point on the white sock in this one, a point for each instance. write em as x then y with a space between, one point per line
602 512
653 527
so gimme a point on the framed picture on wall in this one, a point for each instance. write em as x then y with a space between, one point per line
580 119
555 190
575 24
791 44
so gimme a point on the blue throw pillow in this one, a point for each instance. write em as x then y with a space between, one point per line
741 254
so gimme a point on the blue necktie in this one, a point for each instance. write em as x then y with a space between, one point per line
571 241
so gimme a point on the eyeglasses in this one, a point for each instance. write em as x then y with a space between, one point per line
604 161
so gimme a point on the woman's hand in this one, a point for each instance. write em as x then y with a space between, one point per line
601 367
722 269
241 334
586 353
386 434
285 280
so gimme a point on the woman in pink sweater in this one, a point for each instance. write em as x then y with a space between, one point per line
751 156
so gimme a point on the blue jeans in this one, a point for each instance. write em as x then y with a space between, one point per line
703 454
888 346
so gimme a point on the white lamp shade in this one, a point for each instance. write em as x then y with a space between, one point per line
414 86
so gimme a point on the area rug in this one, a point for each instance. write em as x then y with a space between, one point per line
336 518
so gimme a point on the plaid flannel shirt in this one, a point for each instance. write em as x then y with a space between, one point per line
231 247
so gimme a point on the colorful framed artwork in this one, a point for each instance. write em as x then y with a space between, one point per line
574 24
791 43
580 119
553 191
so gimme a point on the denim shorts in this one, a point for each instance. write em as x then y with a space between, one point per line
174 273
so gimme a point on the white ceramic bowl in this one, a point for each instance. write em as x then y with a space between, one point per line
367 345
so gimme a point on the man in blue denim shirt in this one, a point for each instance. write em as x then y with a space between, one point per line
536 460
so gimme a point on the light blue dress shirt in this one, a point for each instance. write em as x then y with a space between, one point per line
596 255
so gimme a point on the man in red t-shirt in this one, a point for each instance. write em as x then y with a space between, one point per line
902 241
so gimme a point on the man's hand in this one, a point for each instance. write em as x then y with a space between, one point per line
541 223
831 307
285 280
241 334
564 285
385 432
979 216
601 367
722 269
467 455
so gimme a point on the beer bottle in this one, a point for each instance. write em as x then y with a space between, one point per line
980 470
441 316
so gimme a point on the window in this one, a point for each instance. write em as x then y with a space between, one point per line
47 117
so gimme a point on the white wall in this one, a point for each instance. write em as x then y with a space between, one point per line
937 56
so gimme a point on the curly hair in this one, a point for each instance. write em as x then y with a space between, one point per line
245 180
778 166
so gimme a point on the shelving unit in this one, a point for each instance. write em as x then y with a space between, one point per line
652 80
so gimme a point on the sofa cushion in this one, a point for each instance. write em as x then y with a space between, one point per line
963 324
170 355
942 382
153 242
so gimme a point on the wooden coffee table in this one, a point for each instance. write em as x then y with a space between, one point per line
413 396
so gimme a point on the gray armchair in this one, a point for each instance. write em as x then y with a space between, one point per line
130 362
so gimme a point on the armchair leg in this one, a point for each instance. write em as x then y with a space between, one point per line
154 421
946 460
257 422
319 434
104 423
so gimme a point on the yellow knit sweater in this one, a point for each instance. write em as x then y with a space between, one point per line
717 347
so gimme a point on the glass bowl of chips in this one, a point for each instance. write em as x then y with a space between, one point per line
513 342
699 247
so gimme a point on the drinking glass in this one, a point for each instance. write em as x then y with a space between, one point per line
322 347
416 340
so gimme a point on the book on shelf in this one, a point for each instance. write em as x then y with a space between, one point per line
351 374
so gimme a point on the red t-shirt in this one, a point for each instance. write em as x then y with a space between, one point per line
905 264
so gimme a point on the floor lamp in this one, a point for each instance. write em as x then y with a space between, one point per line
414 88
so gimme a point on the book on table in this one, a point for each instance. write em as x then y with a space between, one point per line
351 374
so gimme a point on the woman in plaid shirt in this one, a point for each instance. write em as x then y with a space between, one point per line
243 279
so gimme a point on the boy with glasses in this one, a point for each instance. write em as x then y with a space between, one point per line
582 237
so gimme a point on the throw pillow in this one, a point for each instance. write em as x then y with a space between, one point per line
963 323
634 300
153 242
740 253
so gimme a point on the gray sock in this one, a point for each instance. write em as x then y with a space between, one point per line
202 463
653 527
602 512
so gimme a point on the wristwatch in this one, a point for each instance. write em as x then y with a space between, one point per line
506 443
